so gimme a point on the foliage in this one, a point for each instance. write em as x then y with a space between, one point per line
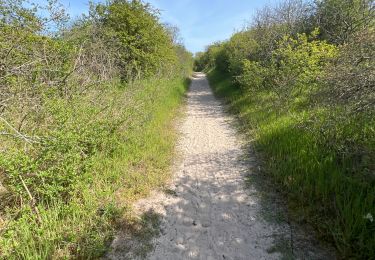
271 24
297 64
253 75
340 19
241 45
214 56
351 79
144 45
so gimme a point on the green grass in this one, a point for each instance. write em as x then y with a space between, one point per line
127 166
312 153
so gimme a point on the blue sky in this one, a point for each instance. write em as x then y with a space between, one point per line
201 22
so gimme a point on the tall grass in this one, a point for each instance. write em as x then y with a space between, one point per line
127 166
323 186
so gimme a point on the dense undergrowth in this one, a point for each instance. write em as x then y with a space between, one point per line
306 98
86 111
132 162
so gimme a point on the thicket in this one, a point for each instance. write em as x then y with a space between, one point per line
85 114
301 77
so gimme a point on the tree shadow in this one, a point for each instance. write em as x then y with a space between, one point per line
213 216
135 237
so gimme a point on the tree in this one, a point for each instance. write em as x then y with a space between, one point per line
351 79
338 20
144 45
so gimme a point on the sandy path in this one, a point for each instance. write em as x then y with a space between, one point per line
209 213
212 217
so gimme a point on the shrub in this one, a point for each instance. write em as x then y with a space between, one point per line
253 76
144 45
297 64
339 20
350 81
241 45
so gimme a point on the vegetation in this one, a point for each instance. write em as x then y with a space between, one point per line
301 79
85 122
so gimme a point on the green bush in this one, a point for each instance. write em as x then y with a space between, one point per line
252 76
296 66
124 164
242 45
144 46
340 19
